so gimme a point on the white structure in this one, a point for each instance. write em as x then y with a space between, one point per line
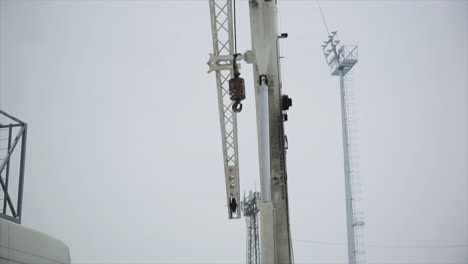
271 107
221 63
341 59
21 245
275 236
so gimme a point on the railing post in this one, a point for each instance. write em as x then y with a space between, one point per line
12 209
21 173
7 169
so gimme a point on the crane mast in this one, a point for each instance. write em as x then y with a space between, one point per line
274 212
271 107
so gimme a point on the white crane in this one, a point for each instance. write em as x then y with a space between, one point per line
271 107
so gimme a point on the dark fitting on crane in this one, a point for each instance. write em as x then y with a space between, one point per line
233 205
286 102
236 88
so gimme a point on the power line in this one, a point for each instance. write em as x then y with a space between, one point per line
323 17
321 242
419 246
235 28
379 262
385 245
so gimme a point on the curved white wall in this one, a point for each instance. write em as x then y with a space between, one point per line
19 244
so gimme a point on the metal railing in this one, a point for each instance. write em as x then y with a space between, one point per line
13 133
347 58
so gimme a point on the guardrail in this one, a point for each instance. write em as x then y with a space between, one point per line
13 133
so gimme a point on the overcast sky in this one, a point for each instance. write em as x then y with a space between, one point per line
124 158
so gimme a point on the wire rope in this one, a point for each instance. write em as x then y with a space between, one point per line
323 17
235 27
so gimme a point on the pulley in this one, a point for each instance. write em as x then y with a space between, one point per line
236 88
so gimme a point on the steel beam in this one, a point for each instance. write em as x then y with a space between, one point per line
274 215
223 46
7 176
21 135
347 172
21 172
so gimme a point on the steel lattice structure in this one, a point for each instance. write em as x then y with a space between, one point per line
251 208
341 60
271 111
221 63
13 132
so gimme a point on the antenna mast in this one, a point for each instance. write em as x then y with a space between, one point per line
251 208
341 59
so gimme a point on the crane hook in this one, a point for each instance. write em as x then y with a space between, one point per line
237 106
236 87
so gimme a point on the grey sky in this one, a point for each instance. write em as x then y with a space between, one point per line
124 153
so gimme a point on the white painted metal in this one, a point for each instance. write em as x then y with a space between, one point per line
223 62
274 215
275 235
265 180
267 236
220 62
347 169
21 245
353 157
341 59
